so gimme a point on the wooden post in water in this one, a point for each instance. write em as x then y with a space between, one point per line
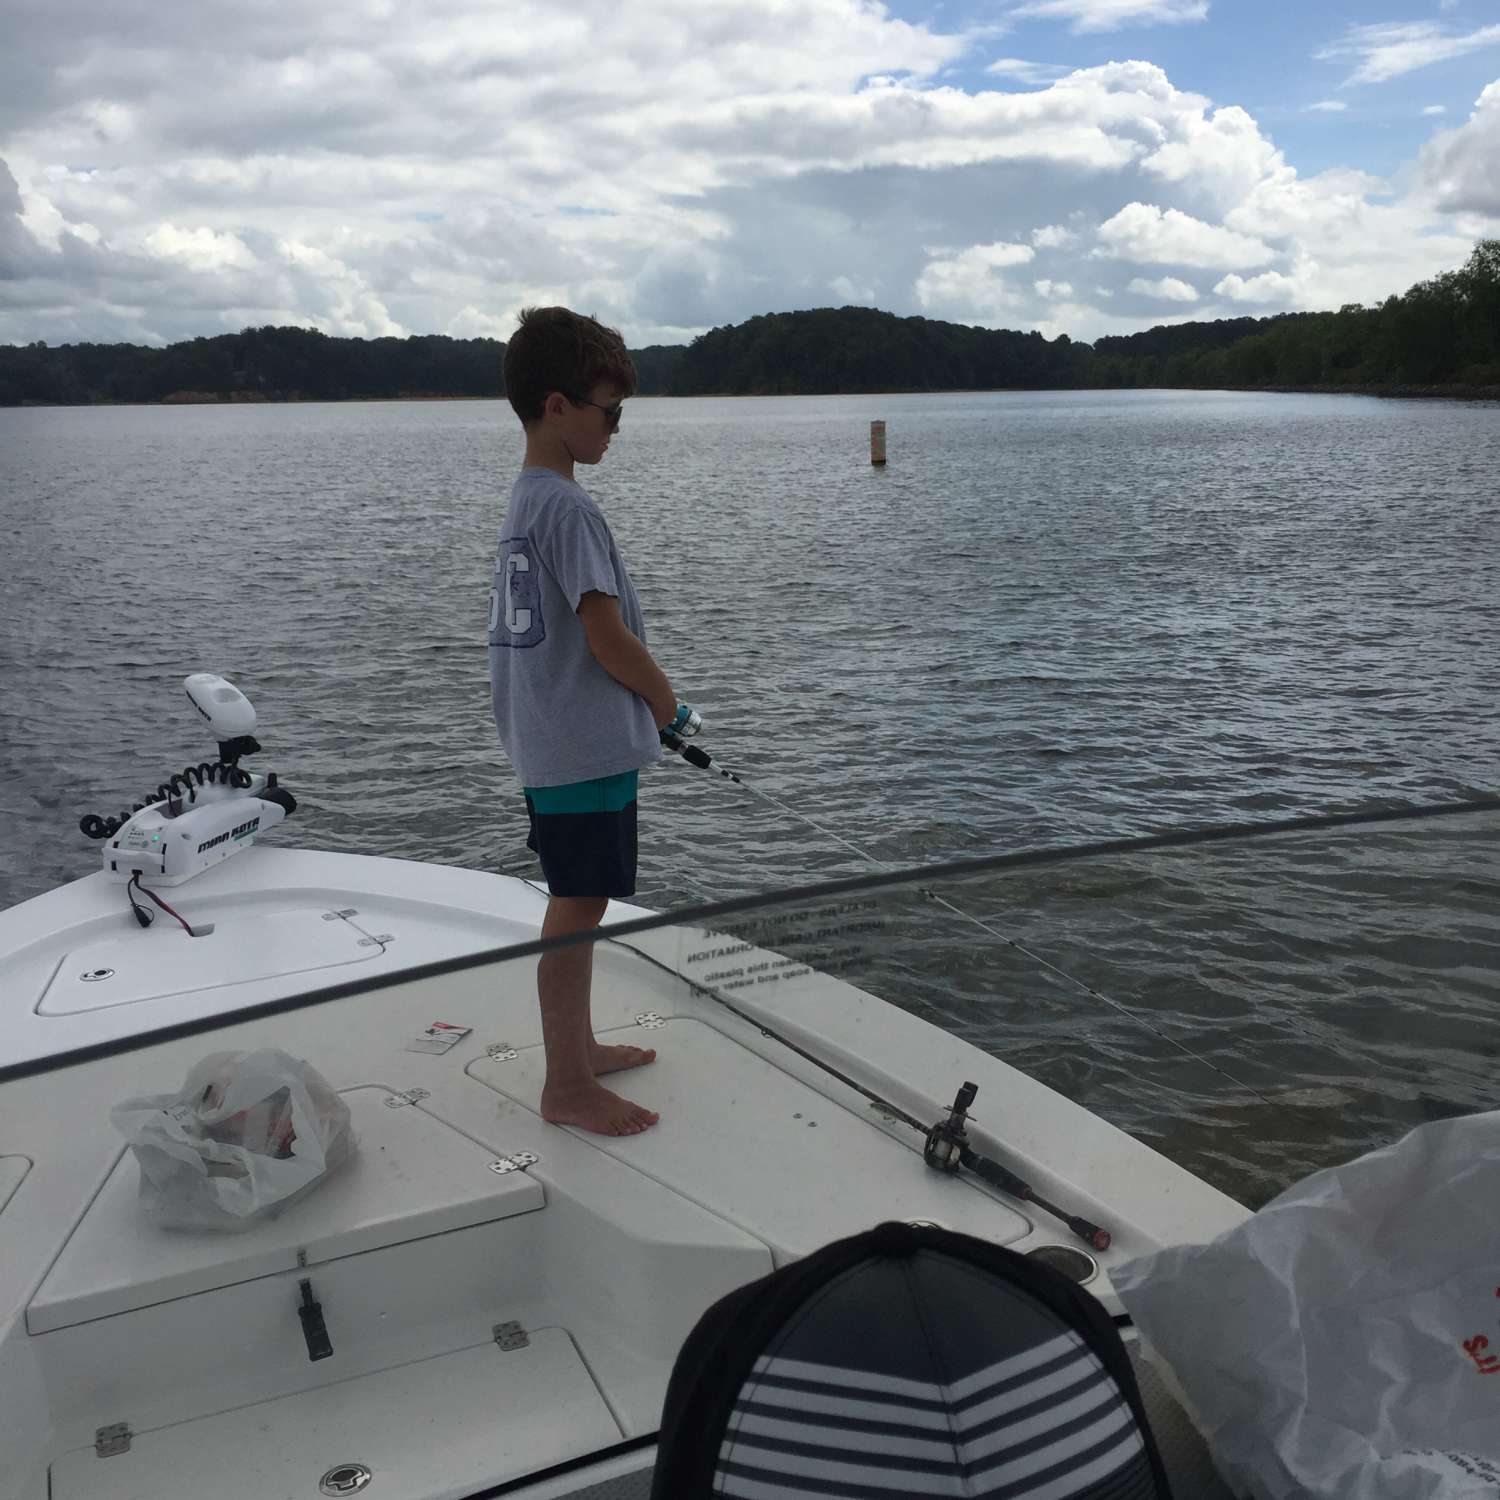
877 444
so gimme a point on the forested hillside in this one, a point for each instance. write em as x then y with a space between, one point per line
1441 334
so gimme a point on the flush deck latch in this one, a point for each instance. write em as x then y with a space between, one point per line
115 1438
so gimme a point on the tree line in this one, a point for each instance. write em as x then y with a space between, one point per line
1443 333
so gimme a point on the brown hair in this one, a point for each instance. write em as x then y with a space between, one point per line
555 349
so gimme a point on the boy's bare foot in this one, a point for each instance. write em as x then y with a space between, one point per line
604 1059
591 1106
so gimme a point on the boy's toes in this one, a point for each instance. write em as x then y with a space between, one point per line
592 1107
635 1120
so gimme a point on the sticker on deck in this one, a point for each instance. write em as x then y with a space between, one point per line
441 1036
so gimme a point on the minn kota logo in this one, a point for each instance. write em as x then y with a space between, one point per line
242 831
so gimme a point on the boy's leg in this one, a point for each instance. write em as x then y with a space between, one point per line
571 1094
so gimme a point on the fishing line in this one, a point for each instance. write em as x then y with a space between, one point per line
691 754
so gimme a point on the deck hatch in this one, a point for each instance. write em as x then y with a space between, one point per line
422 1429
746 1140
240 949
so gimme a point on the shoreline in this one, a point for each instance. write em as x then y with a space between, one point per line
1389 392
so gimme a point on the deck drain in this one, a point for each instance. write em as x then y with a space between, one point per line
345 1479
1076 1265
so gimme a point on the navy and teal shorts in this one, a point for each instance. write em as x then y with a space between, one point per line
585 835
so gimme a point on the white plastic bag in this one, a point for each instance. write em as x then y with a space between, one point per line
247 1133
1344 1342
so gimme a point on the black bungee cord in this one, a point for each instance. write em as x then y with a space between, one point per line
174 791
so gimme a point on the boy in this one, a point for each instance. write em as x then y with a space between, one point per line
578 699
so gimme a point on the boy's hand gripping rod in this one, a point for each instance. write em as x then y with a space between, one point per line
946 1144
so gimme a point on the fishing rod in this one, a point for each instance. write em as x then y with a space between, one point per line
946 1146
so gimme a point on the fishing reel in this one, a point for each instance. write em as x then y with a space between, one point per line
687 723
948 1141
674 736
947 1149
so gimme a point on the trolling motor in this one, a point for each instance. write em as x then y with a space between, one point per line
204 813
947 1149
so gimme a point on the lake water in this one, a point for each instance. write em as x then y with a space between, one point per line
1052 618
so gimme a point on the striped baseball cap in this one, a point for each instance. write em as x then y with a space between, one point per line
907 1361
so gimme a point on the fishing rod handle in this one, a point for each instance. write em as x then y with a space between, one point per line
690 753
997 1176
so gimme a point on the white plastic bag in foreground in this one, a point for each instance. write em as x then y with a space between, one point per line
247 1133
1345 1341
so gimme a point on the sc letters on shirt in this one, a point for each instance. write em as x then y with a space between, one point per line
516 598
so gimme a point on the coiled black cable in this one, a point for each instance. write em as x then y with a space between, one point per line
184 784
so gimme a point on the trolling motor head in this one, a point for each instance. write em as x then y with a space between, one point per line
229 712
948 1140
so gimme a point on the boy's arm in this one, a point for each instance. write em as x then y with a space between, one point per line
623 655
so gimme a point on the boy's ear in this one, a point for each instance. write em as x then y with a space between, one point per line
556 404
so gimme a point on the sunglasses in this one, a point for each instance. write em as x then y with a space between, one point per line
611 413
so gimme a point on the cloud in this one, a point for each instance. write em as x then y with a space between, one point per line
474 323
847 292
1213 158
1027 72
1168 289
1461 168
1268 287
1389 49
21 254
1435 109
968 279
355 169
1143 232
200 249
1328 107
1110 15
1053 237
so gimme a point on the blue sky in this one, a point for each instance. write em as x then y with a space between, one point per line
1268 58
1071 166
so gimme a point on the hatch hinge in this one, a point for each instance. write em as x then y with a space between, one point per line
517 1161
411 1096
115 1438
511 1336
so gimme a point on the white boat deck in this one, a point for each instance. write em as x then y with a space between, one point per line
604 1251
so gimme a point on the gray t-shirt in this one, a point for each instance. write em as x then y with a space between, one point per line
561 716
